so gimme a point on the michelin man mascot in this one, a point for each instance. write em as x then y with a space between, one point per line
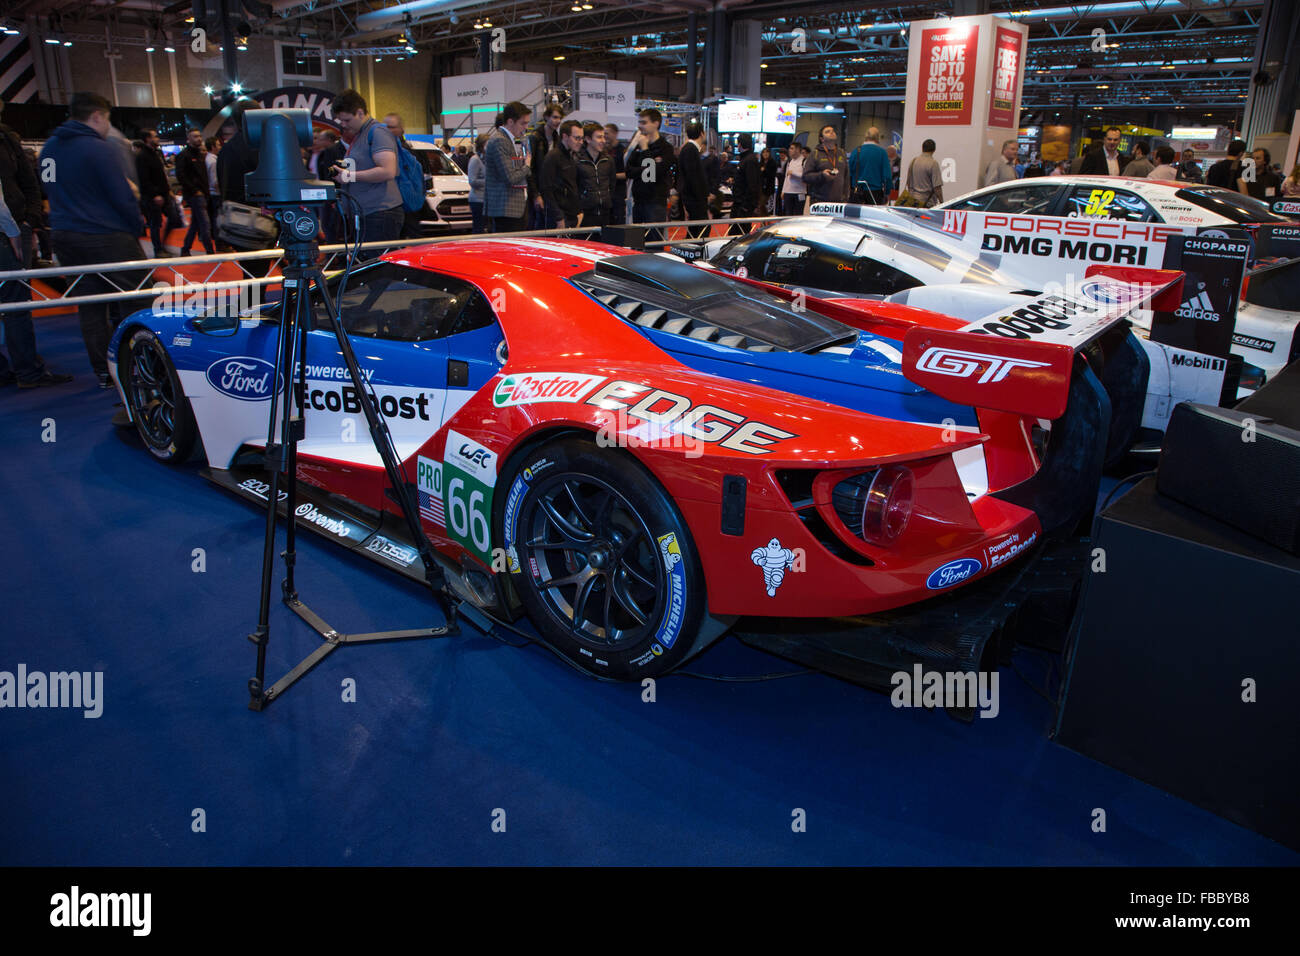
773 559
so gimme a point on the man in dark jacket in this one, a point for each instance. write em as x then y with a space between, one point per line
154 188
692 181
94 216
22 191
1226 172
559 178
650 160
540 142
1106 159
192 174
617 175
748 186
595 171
825 172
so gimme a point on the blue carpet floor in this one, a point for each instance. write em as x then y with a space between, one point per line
97 540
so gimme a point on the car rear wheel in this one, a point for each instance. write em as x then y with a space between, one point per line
602 561
158 405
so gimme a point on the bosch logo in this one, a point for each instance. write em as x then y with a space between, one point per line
960 364
245 378
954 572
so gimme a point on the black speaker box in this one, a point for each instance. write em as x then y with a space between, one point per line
1237 466
1184 663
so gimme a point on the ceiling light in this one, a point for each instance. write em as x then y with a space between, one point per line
67 43
333 59
54 41
576 8
236 87
207 90
681 72
379 59
488 24
763 65
347 59
586 6
769 82
560 57
189 19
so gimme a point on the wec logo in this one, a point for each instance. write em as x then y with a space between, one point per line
960 364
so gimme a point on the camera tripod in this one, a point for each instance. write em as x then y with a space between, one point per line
287 426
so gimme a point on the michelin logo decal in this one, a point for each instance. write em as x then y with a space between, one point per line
773 560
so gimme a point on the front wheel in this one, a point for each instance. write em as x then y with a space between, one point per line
603 561
158 406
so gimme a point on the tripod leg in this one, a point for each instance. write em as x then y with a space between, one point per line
293 432
280 408
383 442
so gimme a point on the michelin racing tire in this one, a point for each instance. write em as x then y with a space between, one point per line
158 405
589 534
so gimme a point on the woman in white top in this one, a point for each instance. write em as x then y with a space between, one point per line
793 189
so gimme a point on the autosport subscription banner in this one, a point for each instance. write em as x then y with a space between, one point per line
947 82
1006 79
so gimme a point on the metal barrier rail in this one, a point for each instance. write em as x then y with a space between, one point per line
148 286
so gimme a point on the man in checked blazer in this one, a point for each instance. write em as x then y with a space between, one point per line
508 178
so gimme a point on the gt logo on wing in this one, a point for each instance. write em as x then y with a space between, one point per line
959 364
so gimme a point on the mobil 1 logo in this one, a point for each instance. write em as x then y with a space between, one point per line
1213 264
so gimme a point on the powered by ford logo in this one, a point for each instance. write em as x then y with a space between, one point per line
243 377
954 572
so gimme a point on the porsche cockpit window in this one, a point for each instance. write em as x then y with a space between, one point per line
663 293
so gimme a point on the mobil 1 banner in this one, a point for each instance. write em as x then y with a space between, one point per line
1213 267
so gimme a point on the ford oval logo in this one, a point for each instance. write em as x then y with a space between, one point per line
954 572
243 377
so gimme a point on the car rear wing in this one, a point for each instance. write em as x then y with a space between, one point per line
1020 360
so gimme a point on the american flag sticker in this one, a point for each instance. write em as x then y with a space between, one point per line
428 484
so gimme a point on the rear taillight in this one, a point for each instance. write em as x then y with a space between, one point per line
876 505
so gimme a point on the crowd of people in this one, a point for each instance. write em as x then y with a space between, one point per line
107 195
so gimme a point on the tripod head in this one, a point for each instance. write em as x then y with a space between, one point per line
283 183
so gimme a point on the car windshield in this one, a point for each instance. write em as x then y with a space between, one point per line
1233 206
436 163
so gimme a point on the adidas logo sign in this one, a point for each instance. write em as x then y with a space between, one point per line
1198 308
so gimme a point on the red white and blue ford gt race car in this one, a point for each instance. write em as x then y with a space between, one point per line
635 451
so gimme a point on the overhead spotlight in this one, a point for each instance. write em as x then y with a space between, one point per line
67 43
167 44
52 40
333 59
189 19
576 8
241 44
487 24
586 6
379 59
207 90
560 57
347 59
236 88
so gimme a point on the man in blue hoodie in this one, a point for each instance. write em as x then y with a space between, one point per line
94 216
